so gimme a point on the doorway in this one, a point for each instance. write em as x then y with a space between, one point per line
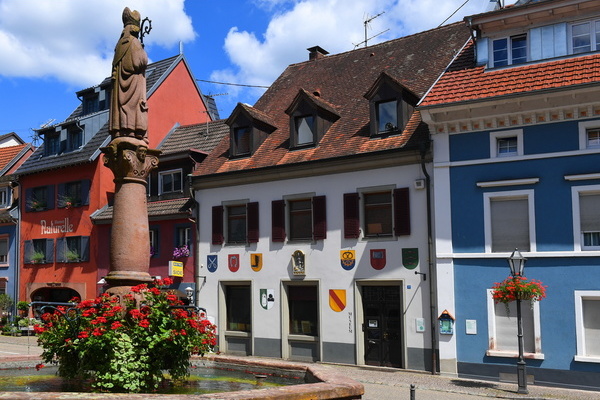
383 330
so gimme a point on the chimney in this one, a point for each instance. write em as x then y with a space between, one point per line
316 53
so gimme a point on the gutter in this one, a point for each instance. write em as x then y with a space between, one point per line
430 267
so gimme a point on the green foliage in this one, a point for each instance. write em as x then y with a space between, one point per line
72 255
38 257
125 347
5 302
23 306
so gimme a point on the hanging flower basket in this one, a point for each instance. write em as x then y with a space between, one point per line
518 287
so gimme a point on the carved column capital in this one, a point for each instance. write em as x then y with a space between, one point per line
130 159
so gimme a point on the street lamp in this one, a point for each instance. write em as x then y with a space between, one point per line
516 262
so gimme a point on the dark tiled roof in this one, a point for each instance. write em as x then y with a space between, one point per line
37 162
177 208
203 137
341 81
464 81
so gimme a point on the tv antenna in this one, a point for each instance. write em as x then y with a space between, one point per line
366 22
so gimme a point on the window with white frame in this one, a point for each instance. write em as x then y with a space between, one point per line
585 36
508 51
170 181
589 134
3 249
4 197
509 221
586 217
587 325
502 329
506 143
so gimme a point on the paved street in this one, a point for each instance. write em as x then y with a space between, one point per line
380 383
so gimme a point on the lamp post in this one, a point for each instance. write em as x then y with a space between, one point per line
516 262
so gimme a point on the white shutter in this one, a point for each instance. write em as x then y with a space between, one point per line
589 212
506 327
510 224
591 326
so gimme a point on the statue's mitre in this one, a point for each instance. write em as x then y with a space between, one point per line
131 17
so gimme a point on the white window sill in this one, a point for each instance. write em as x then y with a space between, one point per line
237 333
302 338
514 354
588 359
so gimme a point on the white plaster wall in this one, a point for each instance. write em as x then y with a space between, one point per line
322 257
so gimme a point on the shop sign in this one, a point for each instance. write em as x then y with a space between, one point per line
176 268
56 226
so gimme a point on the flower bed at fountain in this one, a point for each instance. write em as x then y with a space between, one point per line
125 346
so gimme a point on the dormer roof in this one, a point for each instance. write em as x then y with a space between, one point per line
315 100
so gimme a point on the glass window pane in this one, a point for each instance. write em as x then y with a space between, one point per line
593 138
176 181
378 213
581 38
236 224
507 146
237 302
500 50
303 306
300 219
387 116
510 224
519 49
589 212
3 250
241 137
167 183
304 129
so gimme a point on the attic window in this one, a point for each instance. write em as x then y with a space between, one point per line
51 143
304 130
241 141
387 116
509 51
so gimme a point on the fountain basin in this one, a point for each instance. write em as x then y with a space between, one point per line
319 383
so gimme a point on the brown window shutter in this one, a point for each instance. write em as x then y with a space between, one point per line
401 212
217 225
252 216
278 221
319 210
351 216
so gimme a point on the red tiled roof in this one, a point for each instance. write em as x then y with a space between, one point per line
465 82
341 82
7 154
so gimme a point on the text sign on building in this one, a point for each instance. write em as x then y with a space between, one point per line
57 226
175 268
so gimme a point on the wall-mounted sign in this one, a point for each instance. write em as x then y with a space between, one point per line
446 323
267 298
378 258
410 258
348 259
298 263
337 299
58 226
212 262
256 261
176 268
233 262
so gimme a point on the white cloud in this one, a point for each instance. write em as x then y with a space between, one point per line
335 25
73 40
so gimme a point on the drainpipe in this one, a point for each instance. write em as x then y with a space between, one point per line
430 270
197 243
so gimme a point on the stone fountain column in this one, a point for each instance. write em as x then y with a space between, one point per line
130 160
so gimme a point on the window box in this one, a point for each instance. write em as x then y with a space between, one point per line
39 251
72 249
39 198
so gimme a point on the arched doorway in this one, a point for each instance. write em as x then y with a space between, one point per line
54 295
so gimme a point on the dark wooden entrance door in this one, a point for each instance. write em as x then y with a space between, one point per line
382 308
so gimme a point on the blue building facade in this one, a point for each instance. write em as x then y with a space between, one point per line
517 165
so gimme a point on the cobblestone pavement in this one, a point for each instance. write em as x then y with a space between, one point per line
379 383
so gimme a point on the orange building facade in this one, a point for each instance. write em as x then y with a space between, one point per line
64 183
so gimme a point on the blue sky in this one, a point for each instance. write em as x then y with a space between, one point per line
49 49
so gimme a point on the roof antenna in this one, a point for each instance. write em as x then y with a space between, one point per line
366 23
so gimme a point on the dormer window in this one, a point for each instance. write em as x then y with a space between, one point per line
391 105
585 37
75 138
241 141
310 118
249 127
51 143
511 50
387 116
